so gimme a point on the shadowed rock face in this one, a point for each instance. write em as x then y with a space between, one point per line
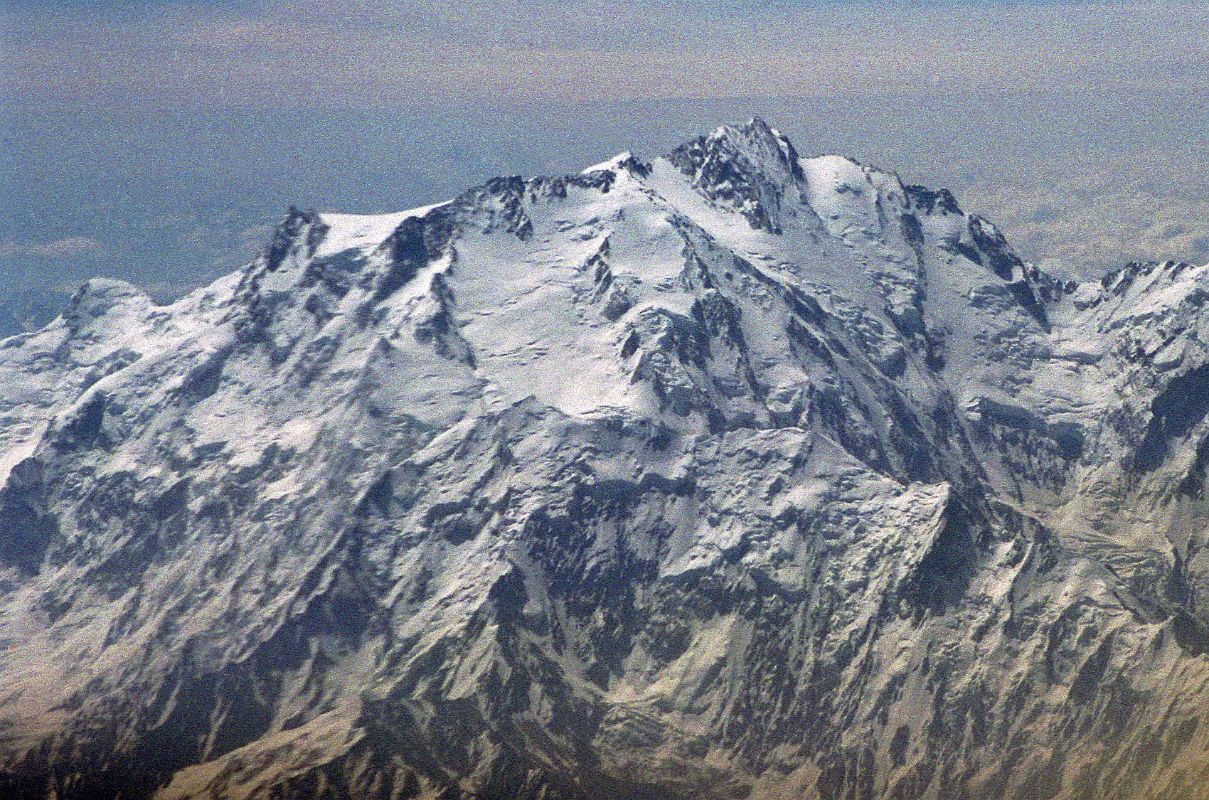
734 474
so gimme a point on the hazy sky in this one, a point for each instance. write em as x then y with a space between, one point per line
155 140
341 53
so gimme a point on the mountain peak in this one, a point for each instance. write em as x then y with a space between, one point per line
755 141
755 128
750 166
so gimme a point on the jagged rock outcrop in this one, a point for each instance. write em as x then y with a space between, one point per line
733 474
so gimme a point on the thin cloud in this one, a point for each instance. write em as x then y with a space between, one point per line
61 248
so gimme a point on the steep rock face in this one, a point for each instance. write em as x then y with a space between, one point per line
732 474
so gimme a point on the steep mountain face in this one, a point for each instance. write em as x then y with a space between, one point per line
732 474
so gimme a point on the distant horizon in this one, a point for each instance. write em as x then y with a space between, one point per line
165 166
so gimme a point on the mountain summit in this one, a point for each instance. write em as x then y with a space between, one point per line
731 474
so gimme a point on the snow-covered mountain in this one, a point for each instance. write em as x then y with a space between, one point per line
731 474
